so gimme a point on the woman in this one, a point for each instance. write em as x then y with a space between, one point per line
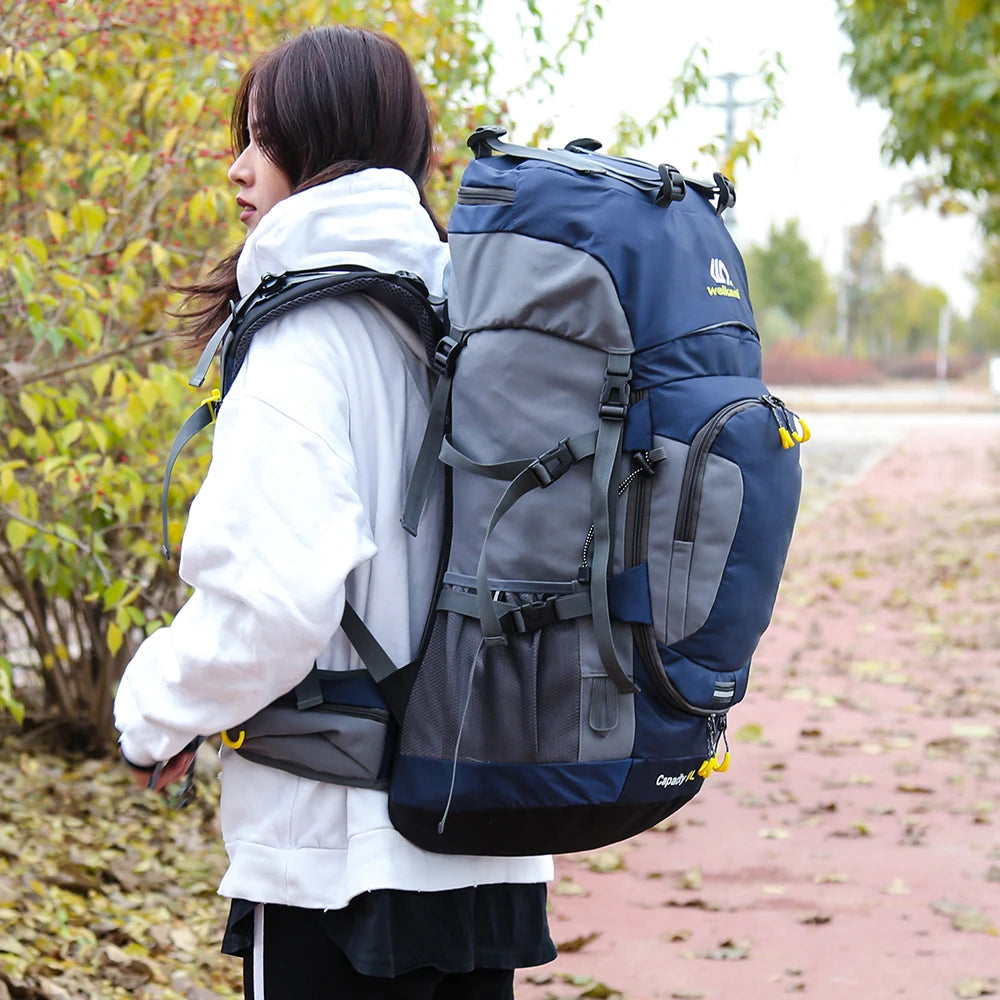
299 510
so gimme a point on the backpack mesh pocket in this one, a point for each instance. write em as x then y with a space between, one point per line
524 704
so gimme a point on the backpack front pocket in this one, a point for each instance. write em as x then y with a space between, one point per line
725 503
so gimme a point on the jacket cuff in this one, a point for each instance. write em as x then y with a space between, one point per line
144 768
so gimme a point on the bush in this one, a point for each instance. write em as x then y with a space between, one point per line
790 362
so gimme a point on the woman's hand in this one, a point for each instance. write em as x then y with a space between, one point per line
161 776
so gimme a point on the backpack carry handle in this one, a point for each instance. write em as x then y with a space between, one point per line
665 181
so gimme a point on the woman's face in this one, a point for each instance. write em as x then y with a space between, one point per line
262 184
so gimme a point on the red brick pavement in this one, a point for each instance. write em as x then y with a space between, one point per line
853 848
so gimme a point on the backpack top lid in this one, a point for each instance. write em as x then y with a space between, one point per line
674 264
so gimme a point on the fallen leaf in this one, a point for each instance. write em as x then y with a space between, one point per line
967 989
691 879
728 951
831 877
567 887
578 943
965 918
605 861
675 937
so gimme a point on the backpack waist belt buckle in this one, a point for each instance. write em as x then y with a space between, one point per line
532 617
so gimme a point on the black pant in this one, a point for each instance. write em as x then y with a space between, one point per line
293 959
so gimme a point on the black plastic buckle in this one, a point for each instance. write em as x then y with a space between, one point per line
553 464
413 279
727 192
584 145
614 396
271 284
532 617
673 188
446 354
641 458
478 142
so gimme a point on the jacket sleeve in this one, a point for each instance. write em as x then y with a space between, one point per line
271 538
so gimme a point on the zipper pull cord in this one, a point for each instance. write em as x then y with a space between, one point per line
458 738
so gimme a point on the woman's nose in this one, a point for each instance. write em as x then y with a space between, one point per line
238 172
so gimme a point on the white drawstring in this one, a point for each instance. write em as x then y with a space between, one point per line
458 738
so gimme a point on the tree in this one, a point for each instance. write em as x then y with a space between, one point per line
113 121
982 333
784 274
933 65
113 118
864 271
905 315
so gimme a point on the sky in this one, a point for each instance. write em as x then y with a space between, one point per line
821 158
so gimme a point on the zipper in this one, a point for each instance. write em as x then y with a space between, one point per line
686 524
485 196
697 460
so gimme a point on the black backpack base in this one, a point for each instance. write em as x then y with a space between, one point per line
592 821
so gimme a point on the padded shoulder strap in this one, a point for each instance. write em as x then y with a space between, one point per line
401 292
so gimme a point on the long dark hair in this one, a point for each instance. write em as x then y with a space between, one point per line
327 103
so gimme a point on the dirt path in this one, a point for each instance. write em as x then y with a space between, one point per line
853 848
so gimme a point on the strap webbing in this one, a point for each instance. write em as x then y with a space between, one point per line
604 504
427 457
196 422
578 447
544 471
515 618
309 692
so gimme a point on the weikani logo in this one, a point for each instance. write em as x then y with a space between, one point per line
663 781
719 272
723 282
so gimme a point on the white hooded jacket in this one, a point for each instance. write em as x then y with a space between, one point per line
301 508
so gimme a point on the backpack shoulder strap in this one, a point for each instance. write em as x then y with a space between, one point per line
401 292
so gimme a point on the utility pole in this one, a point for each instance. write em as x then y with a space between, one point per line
730 105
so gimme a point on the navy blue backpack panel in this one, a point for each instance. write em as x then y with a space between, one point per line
623 491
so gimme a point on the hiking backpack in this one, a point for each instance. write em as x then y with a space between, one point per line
621 494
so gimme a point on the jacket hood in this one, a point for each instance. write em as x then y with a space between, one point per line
372 218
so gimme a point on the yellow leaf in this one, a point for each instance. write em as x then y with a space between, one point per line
131 252
65 59
88 217
90 324
191 105
67 435
99 378
119 387
33 407
136 410
17 534
99 434
150 395
170 139
161 259
115 638
57 224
